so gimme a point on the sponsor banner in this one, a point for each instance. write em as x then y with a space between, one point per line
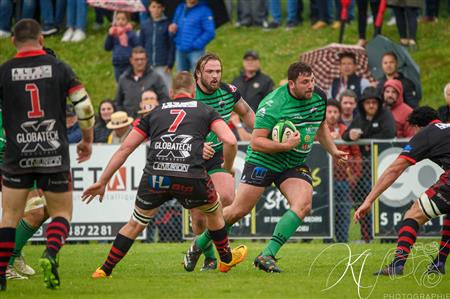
397 199
261 222
103 220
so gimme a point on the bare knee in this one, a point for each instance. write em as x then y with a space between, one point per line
302 209
234 213
416 213
35 217
227 198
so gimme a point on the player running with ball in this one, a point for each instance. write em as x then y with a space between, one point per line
269 161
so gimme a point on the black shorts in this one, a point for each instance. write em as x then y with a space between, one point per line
435 200
214 164
263 177
52 182
154 190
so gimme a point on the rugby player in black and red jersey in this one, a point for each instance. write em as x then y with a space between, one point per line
431 141
175 169
34 87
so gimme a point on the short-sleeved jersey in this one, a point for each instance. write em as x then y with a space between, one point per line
177 130
307 116
223 101
33 90
432 142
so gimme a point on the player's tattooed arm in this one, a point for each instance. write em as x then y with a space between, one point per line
245 113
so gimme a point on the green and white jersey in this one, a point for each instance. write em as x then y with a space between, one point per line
223 101
306 115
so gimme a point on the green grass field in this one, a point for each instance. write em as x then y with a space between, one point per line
155 271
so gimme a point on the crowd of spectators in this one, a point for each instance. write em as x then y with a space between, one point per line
144 58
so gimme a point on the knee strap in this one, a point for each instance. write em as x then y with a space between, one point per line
140 218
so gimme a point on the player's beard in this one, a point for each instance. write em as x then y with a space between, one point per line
304 96
208 86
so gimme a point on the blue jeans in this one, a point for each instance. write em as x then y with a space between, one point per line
52 16
6 10
28 9
76 14
324 11
119 69
187 61
275 7
338 7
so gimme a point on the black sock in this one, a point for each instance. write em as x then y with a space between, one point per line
406 239
7 244
57 232
118 251
444 246
220 239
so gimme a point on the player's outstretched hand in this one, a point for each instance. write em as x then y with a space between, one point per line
208 151
92 191
84 151
294 140
362 211
341 157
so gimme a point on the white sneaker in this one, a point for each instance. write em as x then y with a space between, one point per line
21 266
4 34
67 35
391 22
78 36
12 274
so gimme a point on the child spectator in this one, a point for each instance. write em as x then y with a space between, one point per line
121 40
158 44
101 132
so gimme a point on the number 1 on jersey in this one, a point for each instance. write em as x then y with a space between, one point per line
181 114
36 111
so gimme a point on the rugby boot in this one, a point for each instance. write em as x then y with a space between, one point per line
238 256
266 263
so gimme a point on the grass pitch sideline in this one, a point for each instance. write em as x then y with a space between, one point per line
155 271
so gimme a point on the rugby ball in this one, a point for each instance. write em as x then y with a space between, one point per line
283 130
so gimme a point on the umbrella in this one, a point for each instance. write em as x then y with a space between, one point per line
118 5
406 65
344 18
325 62
380 14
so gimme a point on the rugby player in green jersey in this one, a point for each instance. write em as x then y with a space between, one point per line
224 98
283 164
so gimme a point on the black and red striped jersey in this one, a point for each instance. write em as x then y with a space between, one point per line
432 142
177 130
34 87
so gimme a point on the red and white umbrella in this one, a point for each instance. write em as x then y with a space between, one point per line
118 5
325 62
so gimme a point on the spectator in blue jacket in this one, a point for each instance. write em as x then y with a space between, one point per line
193 26
158 43
121 40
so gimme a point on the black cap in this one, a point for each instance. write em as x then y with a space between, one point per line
70 110
252 54
370 92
